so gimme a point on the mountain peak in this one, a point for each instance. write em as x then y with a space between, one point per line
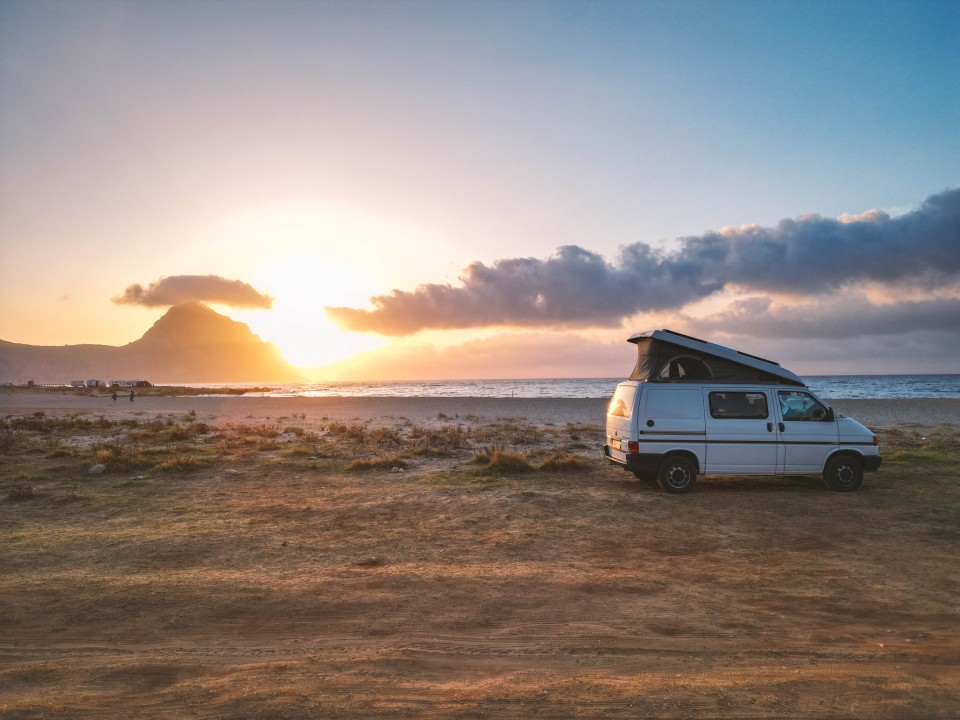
190 343
191 323
205 346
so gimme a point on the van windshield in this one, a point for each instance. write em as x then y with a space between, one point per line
621 404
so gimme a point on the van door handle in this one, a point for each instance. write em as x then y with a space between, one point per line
782 427
769 427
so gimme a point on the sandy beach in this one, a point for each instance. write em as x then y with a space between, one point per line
875 414
246 557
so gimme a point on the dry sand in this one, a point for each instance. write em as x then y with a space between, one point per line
875 414
269 580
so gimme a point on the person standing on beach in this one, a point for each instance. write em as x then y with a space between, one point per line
114 396
131 396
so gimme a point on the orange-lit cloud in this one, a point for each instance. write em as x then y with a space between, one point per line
198 288
808 256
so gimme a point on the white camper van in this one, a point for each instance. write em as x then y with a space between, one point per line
694 408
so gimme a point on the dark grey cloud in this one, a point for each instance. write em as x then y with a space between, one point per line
195 288
809 255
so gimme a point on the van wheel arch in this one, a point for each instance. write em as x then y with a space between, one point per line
843 471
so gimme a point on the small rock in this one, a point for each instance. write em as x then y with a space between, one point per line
97 469
231 471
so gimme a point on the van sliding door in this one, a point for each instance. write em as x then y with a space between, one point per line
742 434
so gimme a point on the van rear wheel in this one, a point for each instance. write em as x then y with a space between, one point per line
843 473
677 474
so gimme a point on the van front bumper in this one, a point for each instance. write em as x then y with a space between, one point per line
634 462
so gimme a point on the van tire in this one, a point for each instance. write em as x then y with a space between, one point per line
677 474
843 473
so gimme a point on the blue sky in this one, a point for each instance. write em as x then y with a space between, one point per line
329 152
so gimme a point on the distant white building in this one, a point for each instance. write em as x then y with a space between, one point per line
78 383
95 383
129 383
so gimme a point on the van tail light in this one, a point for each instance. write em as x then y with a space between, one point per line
633 446
876 441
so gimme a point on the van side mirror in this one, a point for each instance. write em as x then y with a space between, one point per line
831 417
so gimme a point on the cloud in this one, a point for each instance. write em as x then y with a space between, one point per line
832 318
805 256
195 288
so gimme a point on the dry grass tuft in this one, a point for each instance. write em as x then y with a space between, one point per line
378 464
438 442
502 462
355 432
182 464
562 461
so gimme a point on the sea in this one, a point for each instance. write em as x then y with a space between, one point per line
831 387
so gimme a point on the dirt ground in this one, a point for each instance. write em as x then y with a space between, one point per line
258 571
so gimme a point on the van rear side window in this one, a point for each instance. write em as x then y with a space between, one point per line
621 404
738 405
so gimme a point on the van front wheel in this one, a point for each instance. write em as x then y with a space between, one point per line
843 473
677 474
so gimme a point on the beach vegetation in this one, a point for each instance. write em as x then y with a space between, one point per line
299 451
182 463
562 461
510 433
8 437
212 539
438 442
503 462
385 436
387 463
348 431
117 455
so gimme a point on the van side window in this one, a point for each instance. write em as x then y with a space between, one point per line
796 405
738 405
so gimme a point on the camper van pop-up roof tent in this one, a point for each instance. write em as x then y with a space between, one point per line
667 356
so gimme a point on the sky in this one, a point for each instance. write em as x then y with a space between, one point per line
413 190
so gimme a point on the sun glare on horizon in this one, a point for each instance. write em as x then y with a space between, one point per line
302 285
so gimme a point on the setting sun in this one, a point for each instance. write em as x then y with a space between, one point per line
302 284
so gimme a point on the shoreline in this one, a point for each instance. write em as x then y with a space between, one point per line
877 414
